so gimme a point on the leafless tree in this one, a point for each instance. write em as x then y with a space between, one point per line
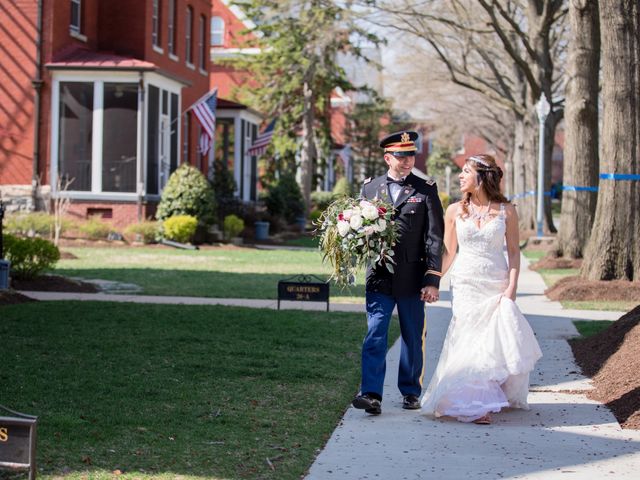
581 129
506 50
613 251
61 203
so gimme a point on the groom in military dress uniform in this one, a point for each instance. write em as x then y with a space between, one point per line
416 277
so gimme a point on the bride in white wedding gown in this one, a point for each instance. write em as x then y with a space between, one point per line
490 348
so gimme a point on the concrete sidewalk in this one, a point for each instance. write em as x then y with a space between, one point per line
238 302
563 436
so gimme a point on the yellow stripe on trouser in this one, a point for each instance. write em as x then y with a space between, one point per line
424 336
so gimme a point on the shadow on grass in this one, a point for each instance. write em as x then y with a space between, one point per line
152 389
195 283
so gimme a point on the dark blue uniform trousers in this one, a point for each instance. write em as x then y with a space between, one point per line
374 348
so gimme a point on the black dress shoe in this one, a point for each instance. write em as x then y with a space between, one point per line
367 403
411 402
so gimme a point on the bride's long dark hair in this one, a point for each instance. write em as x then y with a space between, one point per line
488 179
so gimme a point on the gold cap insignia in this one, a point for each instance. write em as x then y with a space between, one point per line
405 137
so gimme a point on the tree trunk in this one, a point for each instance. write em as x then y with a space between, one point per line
518 167
527 203
612 252
307 153
581 129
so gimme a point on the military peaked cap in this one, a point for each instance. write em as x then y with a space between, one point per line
400 144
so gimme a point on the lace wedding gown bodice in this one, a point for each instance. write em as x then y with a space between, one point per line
490 348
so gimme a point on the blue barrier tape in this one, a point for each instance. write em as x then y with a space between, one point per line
528 194
571 188
619 176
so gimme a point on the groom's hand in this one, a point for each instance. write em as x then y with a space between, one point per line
429 294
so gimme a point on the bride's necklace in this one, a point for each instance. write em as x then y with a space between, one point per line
479 215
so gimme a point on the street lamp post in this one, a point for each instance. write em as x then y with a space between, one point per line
542 108
447 180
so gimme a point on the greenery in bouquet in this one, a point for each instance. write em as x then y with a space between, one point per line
356 233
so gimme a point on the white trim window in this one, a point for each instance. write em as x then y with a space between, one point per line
109 138
172 26
202 41
188 29
75 22
217 31
156 23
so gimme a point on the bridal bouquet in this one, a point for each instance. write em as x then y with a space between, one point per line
356 233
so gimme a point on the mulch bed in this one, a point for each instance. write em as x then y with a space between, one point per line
9 297
612 359
53 283
551 262
577 289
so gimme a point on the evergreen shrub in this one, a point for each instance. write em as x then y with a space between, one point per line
342 188
284 199
95 229
147 230
187 192
38 223
232 227
321 200
444 199
29 257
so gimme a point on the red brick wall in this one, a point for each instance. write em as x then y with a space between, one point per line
199 81
226 78
17 69
122 27
119 26
234 35
122 214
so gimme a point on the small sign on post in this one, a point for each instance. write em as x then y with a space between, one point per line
302 288
18 441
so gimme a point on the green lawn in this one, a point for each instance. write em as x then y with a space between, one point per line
612 306
552 275
174 391
218 273
591 327
306 241
534 255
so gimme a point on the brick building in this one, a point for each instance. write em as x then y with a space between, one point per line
96 91
236 124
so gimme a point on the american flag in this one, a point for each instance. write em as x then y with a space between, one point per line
205 112
262 141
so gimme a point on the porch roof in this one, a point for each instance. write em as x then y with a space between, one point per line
75 57
224 104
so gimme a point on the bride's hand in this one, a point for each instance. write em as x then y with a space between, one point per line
510 293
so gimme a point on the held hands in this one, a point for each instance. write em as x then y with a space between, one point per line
429 294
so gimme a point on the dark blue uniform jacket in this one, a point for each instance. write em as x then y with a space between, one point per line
418 252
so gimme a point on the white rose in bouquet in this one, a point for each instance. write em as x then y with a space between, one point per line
370 212
356 222
382 225
369 230
343 228
347 214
